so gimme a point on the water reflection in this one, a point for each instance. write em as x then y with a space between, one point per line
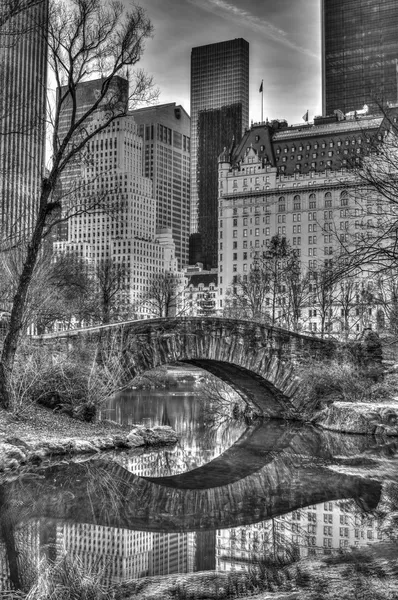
261 489
182 409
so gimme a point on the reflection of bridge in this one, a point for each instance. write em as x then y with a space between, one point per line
258 361
272 471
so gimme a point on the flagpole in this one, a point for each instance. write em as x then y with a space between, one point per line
262 101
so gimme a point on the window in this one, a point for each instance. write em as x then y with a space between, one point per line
296 203
344 198
312 201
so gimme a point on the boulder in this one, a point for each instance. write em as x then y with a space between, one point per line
360 417
160 434
11 457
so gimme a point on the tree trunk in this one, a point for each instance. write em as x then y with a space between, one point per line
16 319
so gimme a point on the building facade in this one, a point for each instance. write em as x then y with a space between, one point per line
200 292
359 53
165 130
219 112
113 214
294 182
23 66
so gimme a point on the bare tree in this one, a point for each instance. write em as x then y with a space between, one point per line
86 39
297 292
246 297
165 296
111 290
323 294
60 292
262 294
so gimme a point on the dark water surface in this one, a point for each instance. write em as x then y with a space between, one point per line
223 493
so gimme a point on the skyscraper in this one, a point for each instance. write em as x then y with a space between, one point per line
23 71
359 54
219 113
165 130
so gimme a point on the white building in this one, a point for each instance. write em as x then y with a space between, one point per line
293 181
120 223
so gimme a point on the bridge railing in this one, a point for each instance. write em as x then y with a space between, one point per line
169 320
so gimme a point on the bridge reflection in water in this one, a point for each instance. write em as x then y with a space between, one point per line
100 511
270 471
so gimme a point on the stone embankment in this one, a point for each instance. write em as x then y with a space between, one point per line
369 418
18 452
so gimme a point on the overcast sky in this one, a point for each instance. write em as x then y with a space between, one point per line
284 38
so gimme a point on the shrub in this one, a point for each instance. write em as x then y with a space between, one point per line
76 385
66 579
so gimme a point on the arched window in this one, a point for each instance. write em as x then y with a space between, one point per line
312 201
296 202
344 198
328 200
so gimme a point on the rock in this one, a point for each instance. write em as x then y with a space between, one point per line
363 418
135 439
11 457
160 434
83 447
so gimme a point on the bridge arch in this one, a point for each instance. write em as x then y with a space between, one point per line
258 361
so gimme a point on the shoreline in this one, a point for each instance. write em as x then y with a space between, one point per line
42 435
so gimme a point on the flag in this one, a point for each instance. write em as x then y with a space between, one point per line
261 87
305 117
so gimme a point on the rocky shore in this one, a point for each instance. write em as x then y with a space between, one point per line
366 418
43 436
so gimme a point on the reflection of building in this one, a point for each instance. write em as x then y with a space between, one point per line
294 181
119 554
23 65
360 53
165 131
172 553
219 112
316 529
23 543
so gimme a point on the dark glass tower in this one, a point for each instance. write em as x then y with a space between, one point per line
219 113
360 53
23 72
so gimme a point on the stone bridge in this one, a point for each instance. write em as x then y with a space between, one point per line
258 361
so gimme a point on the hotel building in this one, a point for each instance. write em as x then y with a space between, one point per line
295 182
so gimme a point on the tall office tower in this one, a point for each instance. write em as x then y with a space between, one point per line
360 54
165 130
23 72
219 113
120 222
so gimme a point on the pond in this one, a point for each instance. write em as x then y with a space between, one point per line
226 492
